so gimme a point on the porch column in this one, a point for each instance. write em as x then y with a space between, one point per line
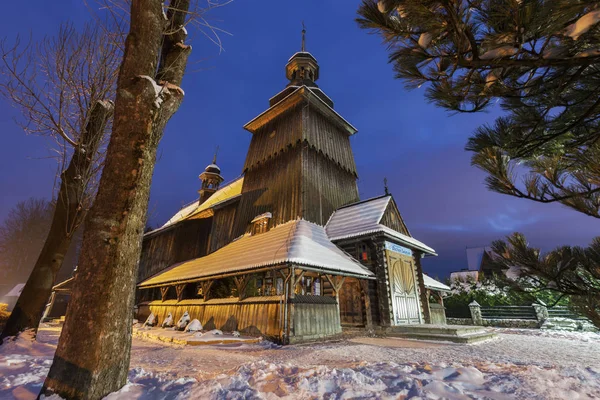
336 284
422 291
163 292
241 283
364 285
179 291
206 285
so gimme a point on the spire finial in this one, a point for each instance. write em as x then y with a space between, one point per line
385 186
303 37
215 156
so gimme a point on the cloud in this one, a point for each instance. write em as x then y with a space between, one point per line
510 222
444 228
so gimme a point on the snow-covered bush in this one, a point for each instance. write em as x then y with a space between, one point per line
490 292
183 321
151 320
168 322
194 326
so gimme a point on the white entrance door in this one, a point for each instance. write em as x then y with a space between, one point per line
404 290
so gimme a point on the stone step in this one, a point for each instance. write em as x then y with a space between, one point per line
470 338
425 329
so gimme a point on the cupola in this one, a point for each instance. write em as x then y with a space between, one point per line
302 68
211 179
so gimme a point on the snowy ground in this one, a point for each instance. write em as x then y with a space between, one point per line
521 364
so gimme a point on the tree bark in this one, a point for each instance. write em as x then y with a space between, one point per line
68 215
92 357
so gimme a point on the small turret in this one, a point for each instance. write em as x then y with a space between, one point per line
211 179
302 67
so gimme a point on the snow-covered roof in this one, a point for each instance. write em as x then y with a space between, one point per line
432 284
364 218
303 53
214 166
16 291
225 193
261 216
299 242
309 95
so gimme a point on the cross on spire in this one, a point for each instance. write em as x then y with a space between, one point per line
303 37
215 156
385 186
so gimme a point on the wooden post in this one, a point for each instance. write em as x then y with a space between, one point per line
291 296
336 283
206 285
241 283
285 334
364 285
297 279
163 292
179 289
422 291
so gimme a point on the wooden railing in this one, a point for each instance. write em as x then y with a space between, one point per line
508 312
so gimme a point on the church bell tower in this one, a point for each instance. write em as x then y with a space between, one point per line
299 163
211 179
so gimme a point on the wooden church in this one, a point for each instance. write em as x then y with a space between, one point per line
288 251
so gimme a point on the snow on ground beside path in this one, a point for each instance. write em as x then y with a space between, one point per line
521 364
573 335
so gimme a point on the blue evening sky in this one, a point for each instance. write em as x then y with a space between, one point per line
417 146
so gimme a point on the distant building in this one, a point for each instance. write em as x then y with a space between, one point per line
464 276
480 264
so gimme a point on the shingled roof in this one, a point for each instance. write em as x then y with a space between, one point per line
299 242
225 193
364 218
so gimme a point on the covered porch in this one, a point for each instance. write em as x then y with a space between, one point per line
283 284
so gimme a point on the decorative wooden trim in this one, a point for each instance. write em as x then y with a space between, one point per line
179 289
241 284
297 279
336 282
163 292
206 285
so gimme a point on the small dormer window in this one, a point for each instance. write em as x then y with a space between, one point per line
260 223
363 252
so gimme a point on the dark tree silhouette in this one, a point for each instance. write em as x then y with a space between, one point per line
539 59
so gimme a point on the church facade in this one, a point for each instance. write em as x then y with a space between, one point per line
288 250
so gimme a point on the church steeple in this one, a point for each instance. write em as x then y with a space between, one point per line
300 162
302 68
211 179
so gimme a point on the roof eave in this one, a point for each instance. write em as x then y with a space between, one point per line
383 232
306 93
281 264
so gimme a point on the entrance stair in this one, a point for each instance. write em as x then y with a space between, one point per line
445 333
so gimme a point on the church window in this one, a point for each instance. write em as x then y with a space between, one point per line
260 224
363 252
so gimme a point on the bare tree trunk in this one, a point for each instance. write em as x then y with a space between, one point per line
67 217
92 357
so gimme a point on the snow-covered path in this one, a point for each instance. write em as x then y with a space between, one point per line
518 364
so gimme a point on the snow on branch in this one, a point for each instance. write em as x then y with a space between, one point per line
162 89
